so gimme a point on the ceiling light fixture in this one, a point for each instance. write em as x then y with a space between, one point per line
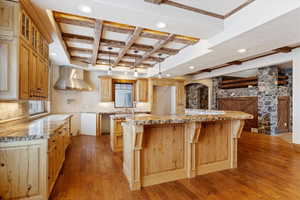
159 67
109 72
161 25
126 73
192 67
85 8
242 50
168 75
53 54
136 74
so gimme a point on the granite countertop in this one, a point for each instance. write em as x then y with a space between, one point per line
183 118
36 129
124 116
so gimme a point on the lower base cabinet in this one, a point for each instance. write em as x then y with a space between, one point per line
29 169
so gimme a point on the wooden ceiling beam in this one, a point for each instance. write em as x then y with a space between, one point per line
186 7
156 47
130 41
115 44
124 63
236 62
120 28
97 38
284 49
74 50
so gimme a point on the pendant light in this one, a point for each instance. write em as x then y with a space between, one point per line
109 72
159 67
136 74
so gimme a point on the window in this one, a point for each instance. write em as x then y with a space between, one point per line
123 95
37 107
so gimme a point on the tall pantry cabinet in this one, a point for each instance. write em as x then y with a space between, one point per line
24 54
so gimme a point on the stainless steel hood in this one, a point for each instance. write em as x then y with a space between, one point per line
71 78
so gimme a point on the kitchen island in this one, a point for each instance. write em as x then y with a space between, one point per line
159 149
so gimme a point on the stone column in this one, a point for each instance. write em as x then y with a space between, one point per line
267 100
215 84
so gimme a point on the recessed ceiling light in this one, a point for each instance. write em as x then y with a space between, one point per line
85 8
53 54
168 75
242 50
192 67
125 72
161 25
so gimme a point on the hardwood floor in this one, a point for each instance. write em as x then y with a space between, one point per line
268 169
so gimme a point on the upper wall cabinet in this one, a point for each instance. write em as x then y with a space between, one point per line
142 90
8 11
24 51
105 89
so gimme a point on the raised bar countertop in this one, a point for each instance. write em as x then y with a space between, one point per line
188 117
36 129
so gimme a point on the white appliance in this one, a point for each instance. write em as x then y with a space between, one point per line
88 124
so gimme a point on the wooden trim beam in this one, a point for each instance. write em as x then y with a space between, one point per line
106 62
97 38
236 62
114 43
124 63
130 41
120 28
284 50
112 54
157 46
198 10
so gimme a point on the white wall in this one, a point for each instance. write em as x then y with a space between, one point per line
76 102
296 96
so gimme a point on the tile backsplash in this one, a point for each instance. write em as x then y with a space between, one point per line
13 110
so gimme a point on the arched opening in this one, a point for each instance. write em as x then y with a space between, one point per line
196 96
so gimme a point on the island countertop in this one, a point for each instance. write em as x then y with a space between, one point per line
32 130
148 119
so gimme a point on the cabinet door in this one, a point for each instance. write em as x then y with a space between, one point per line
105 88
142 90
24 55
20 172
25 29
180 98
39 77
6 16
45 79
33 36
33 74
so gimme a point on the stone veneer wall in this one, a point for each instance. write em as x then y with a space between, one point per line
267 99
196 96
215 88
13 110
267 92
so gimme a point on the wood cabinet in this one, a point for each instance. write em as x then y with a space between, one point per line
24 55
23 170
56 155
142 90
29 169
27 77
105 87
116 134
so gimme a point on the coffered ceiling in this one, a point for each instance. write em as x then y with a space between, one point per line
100 42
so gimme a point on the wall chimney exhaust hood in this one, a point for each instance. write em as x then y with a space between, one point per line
71 78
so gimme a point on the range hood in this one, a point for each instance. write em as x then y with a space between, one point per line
71 78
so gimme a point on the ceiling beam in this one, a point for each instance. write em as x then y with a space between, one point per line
74 50
156 47
186 7
284 49
130 41
198 10
124 63
120 28
115 44
236 62
97 38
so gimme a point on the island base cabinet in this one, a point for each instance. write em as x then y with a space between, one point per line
23 170
155 154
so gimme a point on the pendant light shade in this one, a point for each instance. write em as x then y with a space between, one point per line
109 72
136 74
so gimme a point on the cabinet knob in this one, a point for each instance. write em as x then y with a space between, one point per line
29 187
2 165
